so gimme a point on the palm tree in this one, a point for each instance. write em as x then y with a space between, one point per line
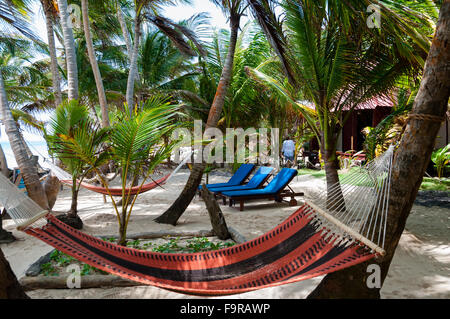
339 63
9 286
3 163
93 60
14 18
234 9
148 10
27 168
162 66
124 29
411 160
134 147
69 120
11 15
50 13
69 45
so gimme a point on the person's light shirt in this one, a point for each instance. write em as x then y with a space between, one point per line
288 148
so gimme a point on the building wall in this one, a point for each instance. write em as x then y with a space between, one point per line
351 137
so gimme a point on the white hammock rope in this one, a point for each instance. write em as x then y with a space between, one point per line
357 206
21 208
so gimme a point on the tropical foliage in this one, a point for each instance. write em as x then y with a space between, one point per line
133 143
441 159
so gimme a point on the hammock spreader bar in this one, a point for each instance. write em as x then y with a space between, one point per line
298 249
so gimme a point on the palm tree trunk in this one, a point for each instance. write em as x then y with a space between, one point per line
328 150
126 36
73 213
133 63
28 170
69 45
175 211
410 163
5 236
9 286
56 79
94 64
125 33
3 163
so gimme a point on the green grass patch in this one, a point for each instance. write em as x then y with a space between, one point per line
312 172
434 184
194 245
429 183
59 260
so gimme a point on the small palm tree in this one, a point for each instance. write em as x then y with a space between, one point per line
133 142
71 127
136 149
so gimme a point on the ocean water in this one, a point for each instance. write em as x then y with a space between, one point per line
36 147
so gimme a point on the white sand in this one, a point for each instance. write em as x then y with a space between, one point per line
420 268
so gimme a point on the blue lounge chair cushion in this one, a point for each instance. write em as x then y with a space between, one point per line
277 184
255 182
237 179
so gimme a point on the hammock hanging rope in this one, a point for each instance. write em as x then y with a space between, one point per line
317 239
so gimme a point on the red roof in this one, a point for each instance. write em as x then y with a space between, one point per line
382 101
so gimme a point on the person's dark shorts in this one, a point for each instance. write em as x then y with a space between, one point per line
289 158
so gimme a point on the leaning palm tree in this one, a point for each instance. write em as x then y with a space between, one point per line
11 16
9 286
234 9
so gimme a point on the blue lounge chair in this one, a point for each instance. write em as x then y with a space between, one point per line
276 190
238 178
258 179
18 180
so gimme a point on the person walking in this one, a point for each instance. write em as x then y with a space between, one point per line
288 151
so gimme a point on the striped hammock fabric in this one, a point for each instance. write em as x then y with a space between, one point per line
298 249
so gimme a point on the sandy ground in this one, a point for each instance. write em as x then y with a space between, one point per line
420 268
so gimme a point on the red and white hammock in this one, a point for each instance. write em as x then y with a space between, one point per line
116 191
66 178
344 228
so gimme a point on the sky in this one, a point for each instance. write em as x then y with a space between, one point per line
175 13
